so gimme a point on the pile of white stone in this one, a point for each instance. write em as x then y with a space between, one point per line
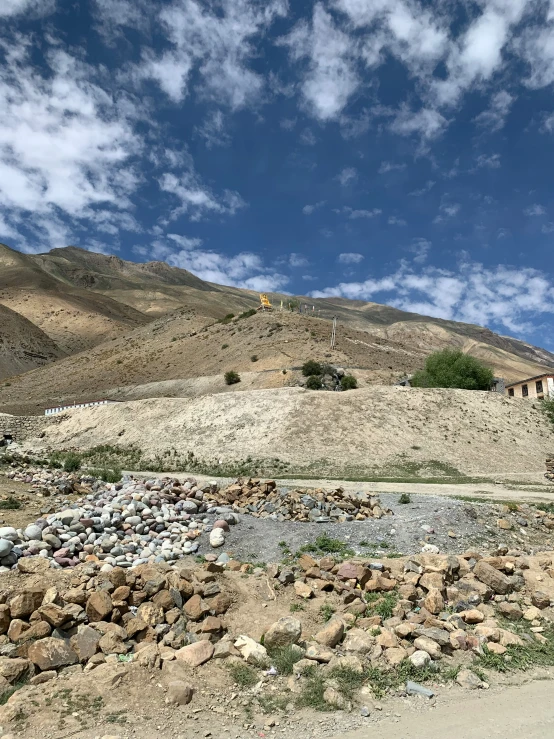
126 524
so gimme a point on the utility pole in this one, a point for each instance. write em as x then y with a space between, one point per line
334 333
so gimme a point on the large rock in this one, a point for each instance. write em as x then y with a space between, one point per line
151 613
252 652
495 579
24 603
99 606
469 680
54 615
195 608
32 565
15 668
5 618
283 633
331 635
51 653
358 641
195 654
179 692
85 642
425 644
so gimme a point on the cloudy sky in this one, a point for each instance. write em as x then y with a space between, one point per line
398 151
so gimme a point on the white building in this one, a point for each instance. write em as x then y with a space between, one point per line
88 404
541 386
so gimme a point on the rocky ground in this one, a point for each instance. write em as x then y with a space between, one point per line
283 628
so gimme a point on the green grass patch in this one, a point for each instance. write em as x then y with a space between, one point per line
381 604
324 544
10 504
243 675
284 659
326 612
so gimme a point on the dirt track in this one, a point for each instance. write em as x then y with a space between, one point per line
520 711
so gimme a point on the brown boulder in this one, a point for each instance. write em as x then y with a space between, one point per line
331 635
54 615
24 603
99 606
495 579
49 654
195 608
179 692
32 565
151 613
14 668
76 596
85 642
195 654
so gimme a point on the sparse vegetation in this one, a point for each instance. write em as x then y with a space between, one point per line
231 377
452 368
72 462
381 604
254 358
10 504
243 675
247 313
325 545
284 658
349 382
314 383
225 346
326 611
311 367
295 607
113 475
227 319
405 499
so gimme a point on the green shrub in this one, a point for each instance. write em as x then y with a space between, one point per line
106 474
248 313
311 367
349 382
314 383
254 358
72 462
405 498
232 377
10 504
224 346
227 319
454 369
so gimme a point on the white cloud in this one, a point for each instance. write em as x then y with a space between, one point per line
494 118
297 260
390 167
213 130
535 210
350 258
396 221
421 248
425 123
447 210
329 78
245 269
11 8
217 44
502 296
492 161
353 214
423 190
197 199
347 175
307 137
309 209
548 228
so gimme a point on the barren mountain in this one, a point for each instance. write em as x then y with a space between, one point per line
23 346
146 330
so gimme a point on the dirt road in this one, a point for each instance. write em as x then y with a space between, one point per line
508 713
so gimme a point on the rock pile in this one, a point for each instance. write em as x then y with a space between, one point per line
125 524
264 500
152 614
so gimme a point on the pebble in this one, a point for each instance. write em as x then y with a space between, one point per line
128 523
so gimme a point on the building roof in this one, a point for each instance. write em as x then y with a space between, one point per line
530 379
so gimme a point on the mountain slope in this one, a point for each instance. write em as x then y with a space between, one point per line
23 346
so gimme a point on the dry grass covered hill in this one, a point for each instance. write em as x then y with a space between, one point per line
23 346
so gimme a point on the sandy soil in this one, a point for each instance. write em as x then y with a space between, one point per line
389 431
511 713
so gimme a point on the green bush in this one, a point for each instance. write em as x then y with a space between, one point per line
232 377
254 358
311 367
227 319
248 313
349 382
72 462
314 383
452 368
405 498
106 474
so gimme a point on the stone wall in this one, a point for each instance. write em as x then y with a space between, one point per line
21 428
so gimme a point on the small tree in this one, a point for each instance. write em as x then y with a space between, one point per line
232 377
452 368
349 382
314 383
311 367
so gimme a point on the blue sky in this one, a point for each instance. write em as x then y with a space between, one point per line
397 151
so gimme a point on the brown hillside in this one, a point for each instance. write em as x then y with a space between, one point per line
23 346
